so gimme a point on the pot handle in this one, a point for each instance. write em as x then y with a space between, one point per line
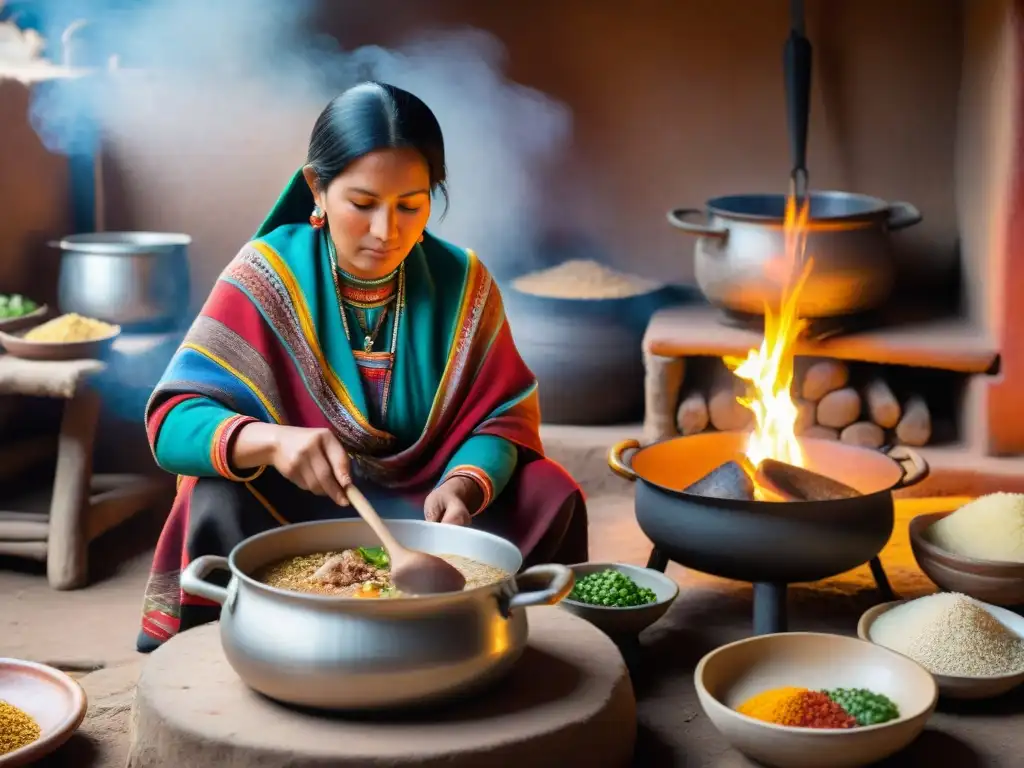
915 468
560 583
617 462
677 219
193 578
902 215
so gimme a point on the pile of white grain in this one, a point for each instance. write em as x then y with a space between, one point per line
989 528
582 279
950 634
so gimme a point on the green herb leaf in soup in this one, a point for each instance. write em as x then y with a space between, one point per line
375 556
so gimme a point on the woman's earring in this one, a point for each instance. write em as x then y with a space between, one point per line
420 240
317 218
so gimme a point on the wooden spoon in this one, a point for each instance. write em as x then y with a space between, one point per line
412 571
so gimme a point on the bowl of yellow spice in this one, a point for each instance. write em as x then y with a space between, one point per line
68 337
40 707
807 700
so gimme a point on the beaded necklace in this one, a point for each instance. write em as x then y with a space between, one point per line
368 294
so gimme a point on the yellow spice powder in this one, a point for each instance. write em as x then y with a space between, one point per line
70 328
777 705
17 729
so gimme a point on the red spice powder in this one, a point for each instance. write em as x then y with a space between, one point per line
815 709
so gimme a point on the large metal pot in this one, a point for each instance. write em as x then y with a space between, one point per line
740 252
349 653
138 280
766 543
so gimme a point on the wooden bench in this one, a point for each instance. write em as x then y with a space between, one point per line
80 506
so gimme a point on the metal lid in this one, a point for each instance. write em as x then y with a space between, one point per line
123 242
826 205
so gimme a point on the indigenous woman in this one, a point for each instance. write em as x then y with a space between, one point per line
346 344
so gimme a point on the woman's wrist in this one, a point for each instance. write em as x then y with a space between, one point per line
255 445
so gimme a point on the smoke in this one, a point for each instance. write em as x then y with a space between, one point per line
213 103
225 77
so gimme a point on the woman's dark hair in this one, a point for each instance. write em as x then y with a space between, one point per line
373 116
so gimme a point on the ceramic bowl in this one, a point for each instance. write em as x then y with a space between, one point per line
960 687
730 675
15 344
625 621
54 700
999 583
12 324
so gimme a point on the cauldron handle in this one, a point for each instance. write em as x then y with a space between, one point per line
617 462
193 578
677 219
915 468
902 215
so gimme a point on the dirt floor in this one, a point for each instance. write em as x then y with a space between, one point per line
96 627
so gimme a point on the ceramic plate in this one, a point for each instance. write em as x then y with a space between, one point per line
56 702
15 344
12 324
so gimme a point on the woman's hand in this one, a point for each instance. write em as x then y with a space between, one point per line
313 459
454 501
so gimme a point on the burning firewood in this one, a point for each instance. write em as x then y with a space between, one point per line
727 481
692 416
823 377
840 408
883 407
799 484
863 434
915 428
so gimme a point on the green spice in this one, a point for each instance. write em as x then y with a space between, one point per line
866 707
375 556
611 588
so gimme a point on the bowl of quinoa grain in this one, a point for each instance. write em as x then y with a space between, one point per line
976 549
973 649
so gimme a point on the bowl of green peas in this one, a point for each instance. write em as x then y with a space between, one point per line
618 598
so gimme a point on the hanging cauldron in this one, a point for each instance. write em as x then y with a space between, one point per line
740 251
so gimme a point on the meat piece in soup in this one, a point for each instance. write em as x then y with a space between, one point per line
360 572
344 570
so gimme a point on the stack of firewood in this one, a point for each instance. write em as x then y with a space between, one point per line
829 407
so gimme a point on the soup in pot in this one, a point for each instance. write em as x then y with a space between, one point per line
359 572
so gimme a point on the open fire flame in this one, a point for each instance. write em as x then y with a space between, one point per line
768 371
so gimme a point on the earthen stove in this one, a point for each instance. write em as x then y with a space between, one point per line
568 701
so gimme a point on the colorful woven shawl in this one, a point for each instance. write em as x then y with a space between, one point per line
269 343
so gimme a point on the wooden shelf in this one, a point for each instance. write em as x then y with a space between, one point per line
948 343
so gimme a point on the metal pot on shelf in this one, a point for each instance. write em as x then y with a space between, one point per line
138 280
740 251
357 654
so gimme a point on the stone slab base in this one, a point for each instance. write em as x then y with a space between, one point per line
569 701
